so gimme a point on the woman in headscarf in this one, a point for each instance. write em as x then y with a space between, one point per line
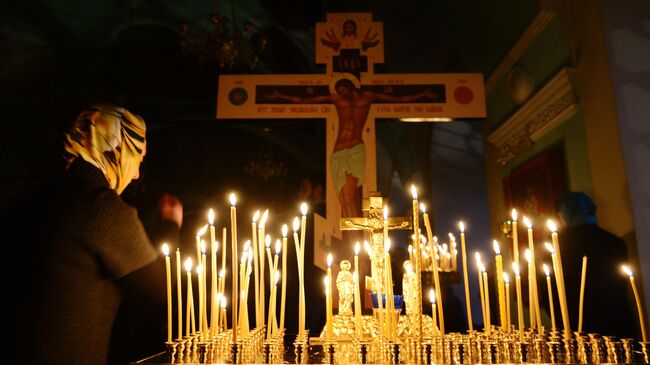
89 246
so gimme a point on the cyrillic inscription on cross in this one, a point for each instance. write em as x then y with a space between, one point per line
350 97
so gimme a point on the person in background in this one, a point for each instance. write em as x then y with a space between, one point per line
608 307
80 246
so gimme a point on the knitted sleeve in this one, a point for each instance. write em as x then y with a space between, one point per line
118 237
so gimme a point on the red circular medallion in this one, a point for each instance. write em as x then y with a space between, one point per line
463 95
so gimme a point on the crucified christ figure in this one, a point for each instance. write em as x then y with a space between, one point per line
348 159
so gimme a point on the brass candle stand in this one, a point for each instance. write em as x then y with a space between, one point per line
301 347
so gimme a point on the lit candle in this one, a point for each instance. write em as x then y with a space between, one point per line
301 300
533 276
179 293
270 328
199 274
463 253
520 307
515 241
190 298
285 231
550 295
486 287
639 308
531 295
418 266
453 252
165 250
357 292
235 282
432 299
477 257
436 277
256 264
387 289
223 253
329 296
559 279
261 238
506 280
217 324
328 333
214 246
559 282
583 279
224 315
303 229
501 289
199 234
204 275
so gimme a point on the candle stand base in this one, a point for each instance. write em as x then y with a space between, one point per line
203 352
171 350
328 349
522 349
569 351
363 348
644 351
301 347
627 350
234 353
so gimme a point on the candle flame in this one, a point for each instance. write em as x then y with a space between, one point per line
233 199
265 216
410 248
461 226
329 259
211 216
222 273
256 216
549 247
514 214
408 267
423 208
528 255
482 267
367 248
203 247
547 271
278 246
477 257
357 248
296 224
385 212
327 283
303 208
188 264
217 297
165 249
223 302
199 269
627 271
528 223
277 277
423 239
267 241
387 244
551 225
506 278
247 245
202 231
435 239
432 296
285 230
515 268
414 192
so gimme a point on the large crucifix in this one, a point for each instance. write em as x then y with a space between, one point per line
350 96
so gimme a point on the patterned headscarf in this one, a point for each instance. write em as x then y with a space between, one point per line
109 137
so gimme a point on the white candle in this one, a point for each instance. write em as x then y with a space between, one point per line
486 287
583 279
165 250
550 295
256 269
520 308
501 290
235 282
204 275
515 241
564 310
436 278
213 270
432 299
199 274
463 253
301 299
533 275
357 292
190 298
261 238
224 316
477 257
285 231
329 296
506 280
639 308
179 293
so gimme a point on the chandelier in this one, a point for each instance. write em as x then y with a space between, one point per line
226 45
266 166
